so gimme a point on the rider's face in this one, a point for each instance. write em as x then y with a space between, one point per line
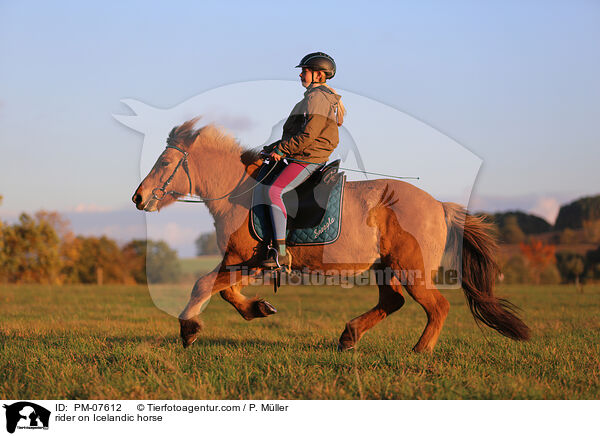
306 77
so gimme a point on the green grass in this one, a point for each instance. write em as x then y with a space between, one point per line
110 342
199 265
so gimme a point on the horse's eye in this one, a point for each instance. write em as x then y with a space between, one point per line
165 163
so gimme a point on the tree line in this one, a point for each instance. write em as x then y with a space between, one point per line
539 262
577 223
41 248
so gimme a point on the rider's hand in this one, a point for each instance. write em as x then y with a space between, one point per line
276 157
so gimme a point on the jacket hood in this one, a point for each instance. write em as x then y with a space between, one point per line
331 96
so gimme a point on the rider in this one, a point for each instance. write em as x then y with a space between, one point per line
310 135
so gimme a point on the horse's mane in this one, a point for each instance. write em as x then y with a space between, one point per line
185 134
209 136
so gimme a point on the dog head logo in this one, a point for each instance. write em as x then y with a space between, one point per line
26 415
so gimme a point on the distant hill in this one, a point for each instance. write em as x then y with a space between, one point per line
529 224
573 215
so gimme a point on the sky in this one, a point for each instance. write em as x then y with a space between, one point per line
513 82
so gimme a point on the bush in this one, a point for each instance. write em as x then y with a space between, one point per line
162 263
592 260
516 271
550 275
571 266
510 232
152 261
207 244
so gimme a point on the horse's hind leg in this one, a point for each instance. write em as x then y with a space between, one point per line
436 307
249 308
390 300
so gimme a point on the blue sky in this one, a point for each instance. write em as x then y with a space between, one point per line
515 82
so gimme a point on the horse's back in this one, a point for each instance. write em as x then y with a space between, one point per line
410 211
414 207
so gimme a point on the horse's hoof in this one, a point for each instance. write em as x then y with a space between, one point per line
265 308
342 347
189 331
188 341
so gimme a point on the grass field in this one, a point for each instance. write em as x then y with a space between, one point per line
110 342
200 264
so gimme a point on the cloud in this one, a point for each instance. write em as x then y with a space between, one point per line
81 207
173 233
118 232
235 122
547 208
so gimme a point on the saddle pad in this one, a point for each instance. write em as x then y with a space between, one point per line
326 232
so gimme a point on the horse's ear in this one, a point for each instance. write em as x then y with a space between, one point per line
188 131
171 137
184 134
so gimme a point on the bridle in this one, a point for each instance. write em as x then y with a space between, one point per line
163 189
184 163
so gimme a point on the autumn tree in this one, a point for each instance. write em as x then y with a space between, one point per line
134 253
207 244
100 260
162 263
30 251
571 267
152 261
511 232
592 260
539 256
515 270
591 230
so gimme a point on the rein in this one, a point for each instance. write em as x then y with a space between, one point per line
357 171
184 163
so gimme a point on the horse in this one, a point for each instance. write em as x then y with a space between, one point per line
387 224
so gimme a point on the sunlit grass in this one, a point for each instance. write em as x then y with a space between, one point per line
96 342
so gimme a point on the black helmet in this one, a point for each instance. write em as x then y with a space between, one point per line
318 61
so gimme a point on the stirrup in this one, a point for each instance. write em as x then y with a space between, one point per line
275 257
277 265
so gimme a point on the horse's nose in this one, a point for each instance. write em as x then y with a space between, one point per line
137 198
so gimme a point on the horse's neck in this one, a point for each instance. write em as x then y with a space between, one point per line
217 173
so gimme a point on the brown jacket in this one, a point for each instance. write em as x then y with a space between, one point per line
311 131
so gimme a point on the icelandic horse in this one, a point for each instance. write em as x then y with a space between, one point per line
387 224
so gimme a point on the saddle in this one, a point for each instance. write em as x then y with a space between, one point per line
316 200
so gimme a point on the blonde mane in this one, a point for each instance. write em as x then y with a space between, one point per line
209 138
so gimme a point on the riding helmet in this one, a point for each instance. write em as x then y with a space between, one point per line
318 61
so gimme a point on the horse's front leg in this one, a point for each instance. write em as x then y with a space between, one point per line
249 308
204 288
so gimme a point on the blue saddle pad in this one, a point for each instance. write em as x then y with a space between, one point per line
326 232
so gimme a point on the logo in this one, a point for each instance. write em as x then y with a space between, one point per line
328 224
26 415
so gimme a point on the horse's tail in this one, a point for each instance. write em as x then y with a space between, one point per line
479 271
